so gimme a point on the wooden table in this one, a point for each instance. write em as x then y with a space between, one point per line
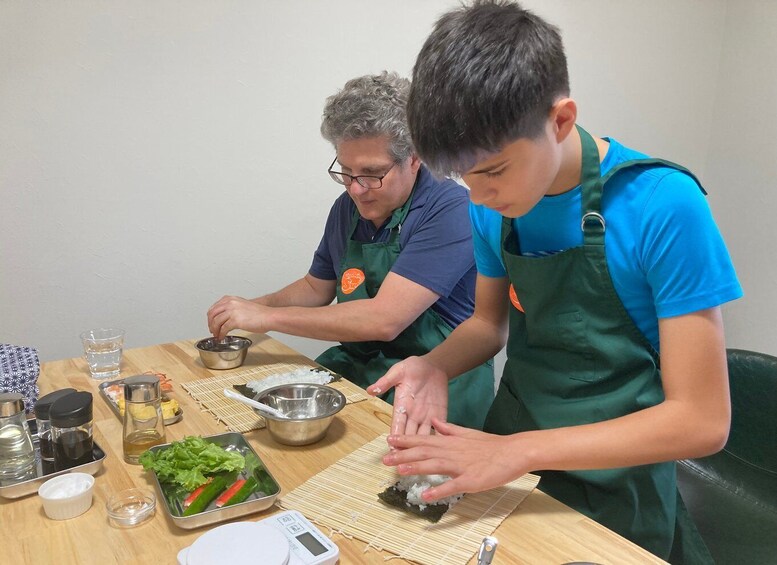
541 530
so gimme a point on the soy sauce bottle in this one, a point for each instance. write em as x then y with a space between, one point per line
71 430
42 409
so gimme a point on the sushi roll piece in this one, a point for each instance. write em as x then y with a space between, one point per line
405 494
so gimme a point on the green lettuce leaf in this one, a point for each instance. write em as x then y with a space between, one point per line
189 461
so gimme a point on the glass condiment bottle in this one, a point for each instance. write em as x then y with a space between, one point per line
17 455
144 425
71 430
42 409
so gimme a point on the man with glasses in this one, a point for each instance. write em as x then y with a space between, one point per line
396 253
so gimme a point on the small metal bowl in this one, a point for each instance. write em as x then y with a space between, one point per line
309 410
227 353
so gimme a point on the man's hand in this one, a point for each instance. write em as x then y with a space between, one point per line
475 460
421 393
233 312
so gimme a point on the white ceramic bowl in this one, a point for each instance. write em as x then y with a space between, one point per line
67 496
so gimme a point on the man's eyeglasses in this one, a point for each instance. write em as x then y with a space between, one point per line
367 181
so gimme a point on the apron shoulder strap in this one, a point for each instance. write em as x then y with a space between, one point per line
593 223
650 163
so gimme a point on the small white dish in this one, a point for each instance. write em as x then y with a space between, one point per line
67 496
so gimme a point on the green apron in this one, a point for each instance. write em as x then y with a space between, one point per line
574 356
469 395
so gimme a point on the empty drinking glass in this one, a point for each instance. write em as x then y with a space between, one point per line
102 349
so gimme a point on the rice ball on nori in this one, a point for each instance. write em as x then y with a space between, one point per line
406 495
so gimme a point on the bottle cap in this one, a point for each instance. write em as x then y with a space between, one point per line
71 410
11 403
43 406
142 388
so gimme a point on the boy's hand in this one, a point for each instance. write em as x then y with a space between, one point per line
421 393
475 460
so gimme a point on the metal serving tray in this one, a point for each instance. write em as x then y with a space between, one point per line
29 483
257 502
115 407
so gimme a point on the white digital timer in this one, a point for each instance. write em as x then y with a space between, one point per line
286 538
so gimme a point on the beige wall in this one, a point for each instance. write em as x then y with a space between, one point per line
741 168
156 155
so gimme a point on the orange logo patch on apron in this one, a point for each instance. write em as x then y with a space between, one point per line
514 298
351 280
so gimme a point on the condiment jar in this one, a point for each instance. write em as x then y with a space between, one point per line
42 408
144 425
17 455
71 430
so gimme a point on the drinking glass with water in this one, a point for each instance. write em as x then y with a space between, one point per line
102 349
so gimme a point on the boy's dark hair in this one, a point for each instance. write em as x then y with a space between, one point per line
488 74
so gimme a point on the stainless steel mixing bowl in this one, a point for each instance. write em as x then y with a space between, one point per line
309 411
227 353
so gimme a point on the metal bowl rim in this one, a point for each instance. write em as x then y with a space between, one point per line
334 391
243 342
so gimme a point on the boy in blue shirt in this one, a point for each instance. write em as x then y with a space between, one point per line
600 268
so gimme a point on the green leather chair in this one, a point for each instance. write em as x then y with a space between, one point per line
732 495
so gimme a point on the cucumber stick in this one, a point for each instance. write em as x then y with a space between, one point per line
210 492
245 491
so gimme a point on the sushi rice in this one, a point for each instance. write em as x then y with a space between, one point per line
297 376
415 485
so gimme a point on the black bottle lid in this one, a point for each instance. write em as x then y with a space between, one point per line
43 406
71 410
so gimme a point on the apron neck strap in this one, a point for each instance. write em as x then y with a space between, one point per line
592 222
397 217
590 173
590 169
400 213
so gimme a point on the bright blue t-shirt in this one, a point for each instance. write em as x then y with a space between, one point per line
665 254
435 242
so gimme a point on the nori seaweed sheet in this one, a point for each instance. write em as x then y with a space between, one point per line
398 498
245 391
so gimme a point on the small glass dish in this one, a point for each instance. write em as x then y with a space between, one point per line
131 507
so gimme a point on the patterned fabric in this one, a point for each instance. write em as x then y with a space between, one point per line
19 370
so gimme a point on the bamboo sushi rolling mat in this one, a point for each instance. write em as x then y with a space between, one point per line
344 498
209 394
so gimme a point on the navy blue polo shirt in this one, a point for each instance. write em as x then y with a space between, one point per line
435 241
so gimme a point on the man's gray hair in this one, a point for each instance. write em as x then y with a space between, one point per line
370 106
